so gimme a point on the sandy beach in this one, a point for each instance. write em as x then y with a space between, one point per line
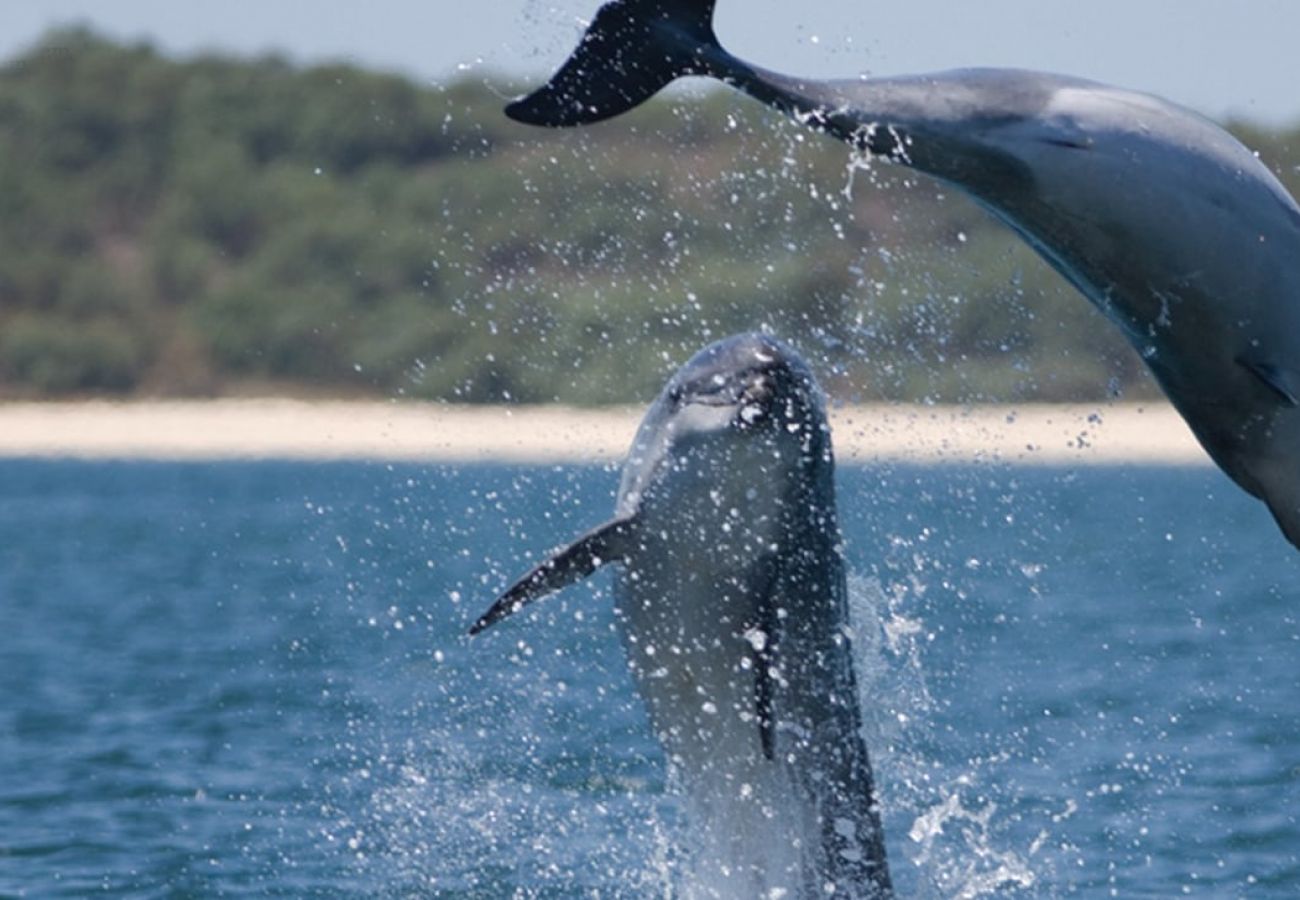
407 431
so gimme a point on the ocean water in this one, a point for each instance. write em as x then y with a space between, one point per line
252 680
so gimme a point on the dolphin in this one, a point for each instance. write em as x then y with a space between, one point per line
732 603
1163 220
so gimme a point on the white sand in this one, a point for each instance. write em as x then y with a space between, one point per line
293 429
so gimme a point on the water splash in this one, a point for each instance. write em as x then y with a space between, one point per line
954 845
981 869
434 820
892 691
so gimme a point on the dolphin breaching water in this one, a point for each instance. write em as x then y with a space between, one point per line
1162 219
732 602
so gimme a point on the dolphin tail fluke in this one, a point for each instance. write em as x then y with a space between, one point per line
631 50
606 543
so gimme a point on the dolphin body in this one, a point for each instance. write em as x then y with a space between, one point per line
1171 227
733 607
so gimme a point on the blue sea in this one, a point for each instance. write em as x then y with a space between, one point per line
252 679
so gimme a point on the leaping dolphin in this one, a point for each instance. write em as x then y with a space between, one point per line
733 607
1171 227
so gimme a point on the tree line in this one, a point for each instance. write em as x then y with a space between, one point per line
218 225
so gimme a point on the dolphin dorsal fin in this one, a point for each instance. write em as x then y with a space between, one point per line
1285 383
609 542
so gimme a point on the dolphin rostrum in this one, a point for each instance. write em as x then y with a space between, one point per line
1171 227
733 607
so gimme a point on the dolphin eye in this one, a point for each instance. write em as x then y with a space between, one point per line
749 414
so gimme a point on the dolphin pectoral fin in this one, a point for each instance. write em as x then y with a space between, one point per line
605 543
1069 143
1285 383
1287 515
762 644
631 50
764 680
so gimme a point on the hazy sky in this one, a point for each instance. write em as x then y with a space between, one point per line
1217 56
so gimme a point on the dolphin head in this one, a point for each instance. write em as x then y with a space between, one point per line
756 379
746 407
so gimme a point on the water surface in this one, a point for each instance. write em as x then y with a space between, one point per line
251 679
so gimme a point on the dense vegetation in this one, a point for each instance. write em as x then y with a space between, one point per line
218 225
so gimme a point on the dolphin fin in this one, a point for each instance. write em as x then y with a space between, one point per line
1284 383
631 50
605 543
1286 513
762 642
764 688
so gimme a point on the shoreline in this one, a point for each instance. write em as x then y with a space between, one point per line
407 431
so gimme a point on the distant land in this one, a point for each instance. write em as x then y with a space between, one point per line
386 430
216 226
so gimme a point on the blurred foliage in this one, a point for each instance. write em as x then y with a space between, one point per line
219 225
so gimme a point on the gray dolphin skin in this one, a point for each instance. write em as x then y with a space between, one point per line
733 607
1171 227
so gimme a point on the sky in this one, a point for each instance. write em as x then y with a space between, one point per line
1217 56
